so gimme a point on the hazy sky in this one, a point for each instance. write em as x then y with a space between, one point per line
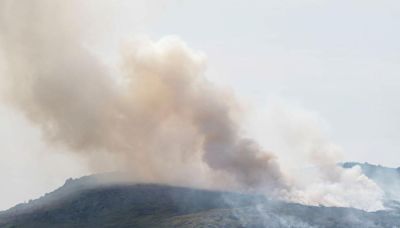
339 59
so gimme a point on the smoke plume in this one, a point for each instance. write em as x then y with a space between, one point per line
159 119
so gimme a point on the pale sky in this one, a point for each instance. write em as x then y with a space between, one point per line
339 59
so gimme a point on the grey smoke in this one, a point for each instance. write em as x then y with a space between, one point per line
159 119
162 115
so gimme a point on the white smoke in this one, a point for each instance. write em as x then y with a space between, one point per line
309 160
159 119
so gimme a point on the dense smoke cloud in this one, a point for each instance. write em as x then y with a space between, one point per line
162 116
159 119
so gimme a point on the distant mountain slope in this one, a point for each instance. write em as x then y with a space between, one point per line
88 202
387 178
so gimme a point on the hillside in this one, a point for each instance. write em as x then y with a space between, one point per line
89 202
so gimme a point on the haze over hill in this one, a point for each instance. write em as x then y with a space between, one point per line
387 178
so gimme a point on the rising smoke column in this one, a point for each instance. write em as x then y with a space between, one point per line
164 113
159 118
210 112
